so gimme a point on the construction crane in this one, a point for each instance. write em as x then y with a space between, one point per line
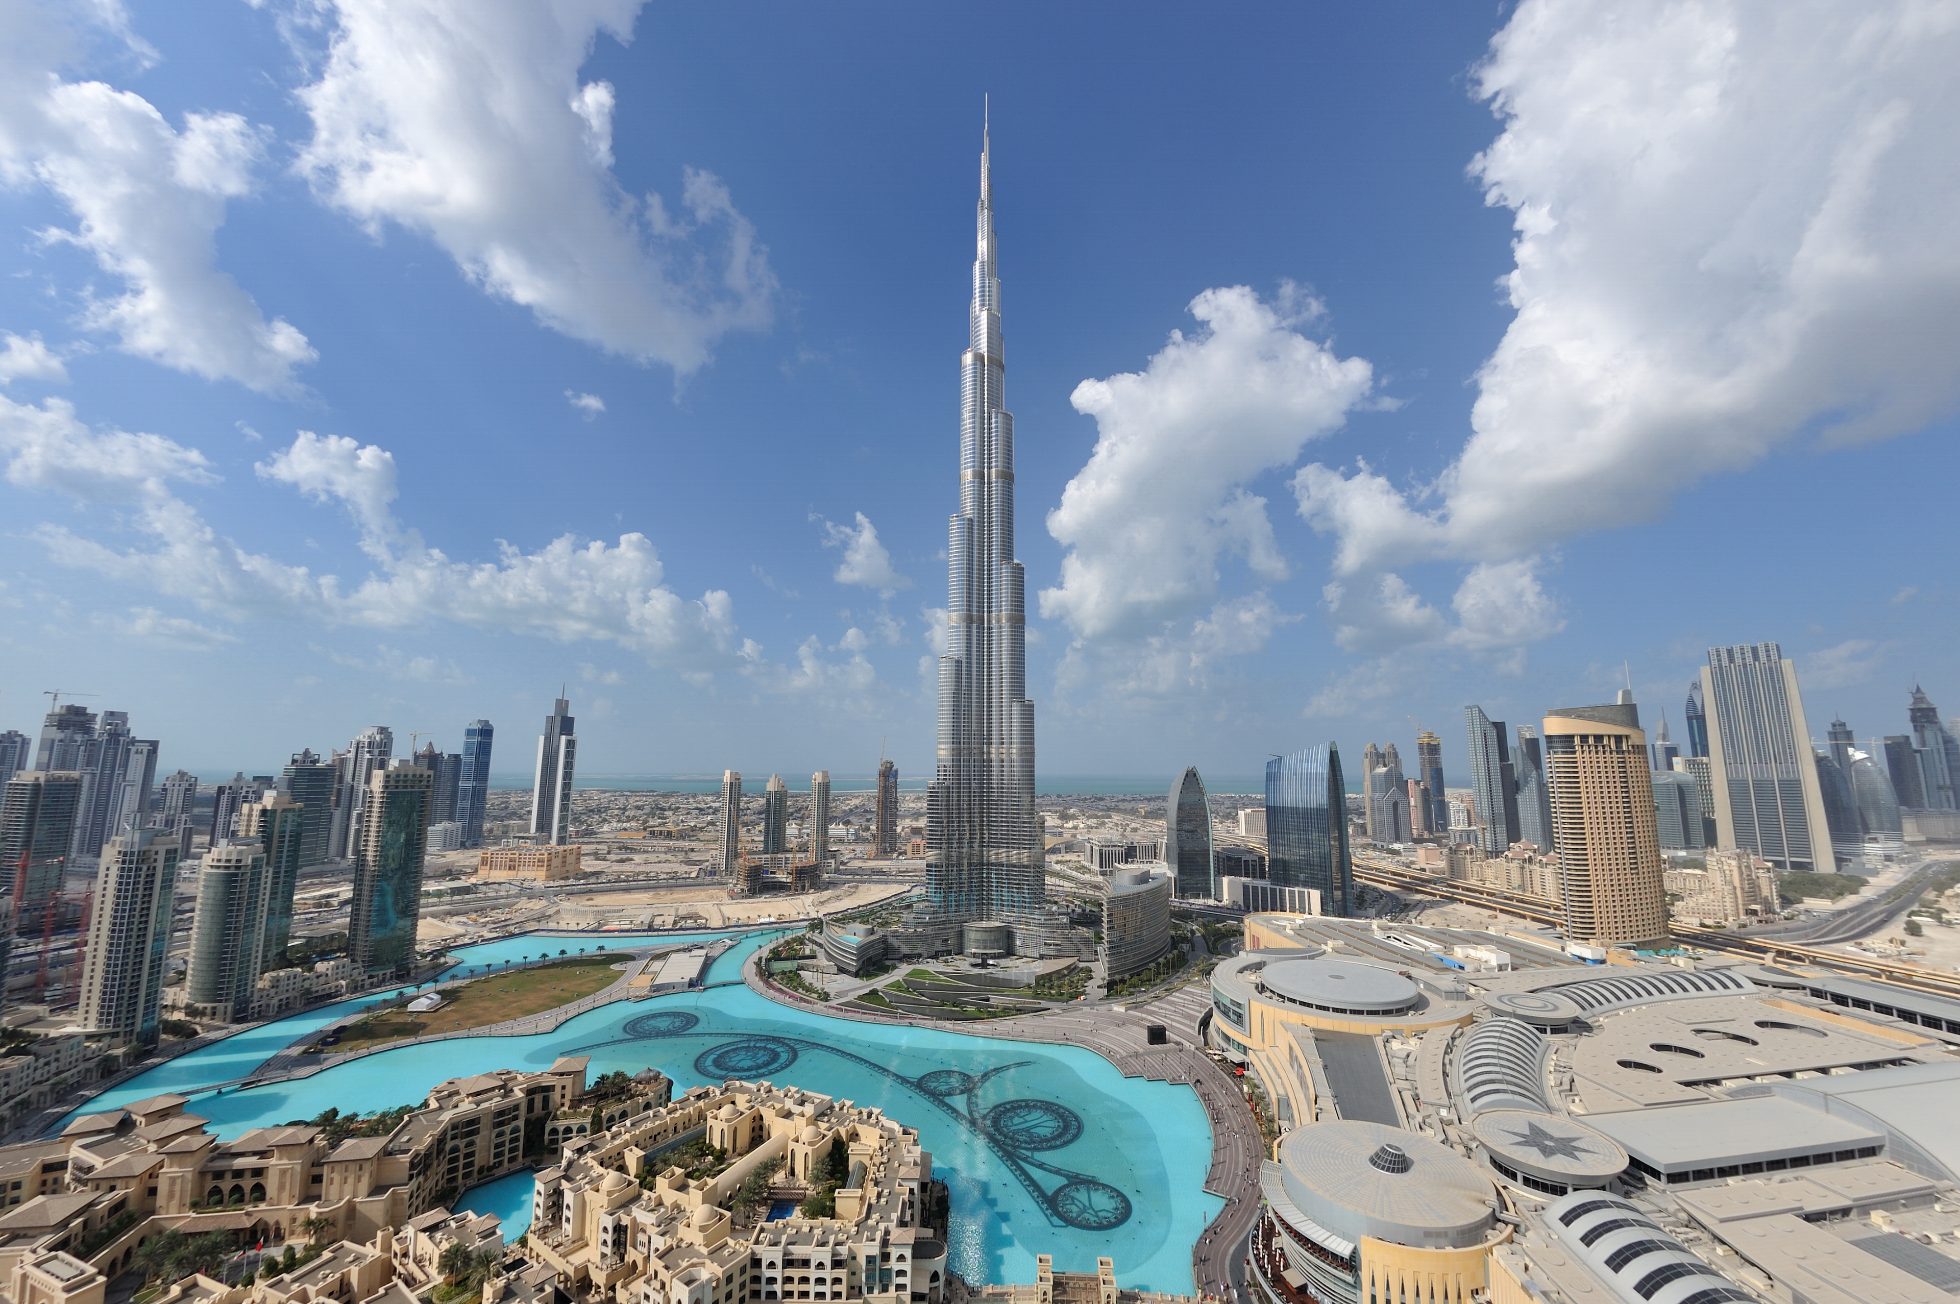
54 696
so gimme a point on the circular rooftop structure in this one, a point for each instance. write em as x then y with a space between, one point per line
1539 1009
1356 1179
1338 986
1548 1153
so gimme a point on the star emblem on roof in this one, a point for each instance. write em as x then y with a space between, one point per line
1550 1145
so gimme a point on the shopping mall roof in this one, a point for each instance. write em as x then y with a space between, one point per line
1713 1134
1354 1179
1339 985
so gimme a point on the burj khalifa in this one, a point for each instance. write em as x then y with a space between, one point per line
984 885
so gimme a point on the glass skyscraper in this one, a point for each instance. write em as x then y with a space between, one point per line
1767 796
983 837
1306 826
1187 838
551 790
1534 793
1697 722
1493 781
1429 771
473 784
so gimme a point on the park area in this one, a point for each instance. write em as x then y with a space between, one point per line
503 996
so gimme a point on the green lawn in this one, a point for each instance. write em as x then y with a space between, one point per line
488 1000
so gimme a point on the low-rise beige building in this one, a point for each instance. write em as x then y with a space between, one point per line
616 1222
528 860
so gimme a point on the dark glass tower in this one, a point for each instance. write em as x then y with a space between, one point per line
983 837
1494 781
1187 838
1697 722
1306 826
473 783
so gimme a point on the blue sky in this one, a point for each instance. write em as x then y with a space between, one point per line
395 362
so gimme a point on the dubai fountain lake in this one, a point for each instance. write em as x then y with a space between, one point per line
1046 1149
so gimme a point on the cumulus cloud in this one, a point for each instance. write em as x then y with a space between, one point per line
466 121
1164 496
865 562
569 590
1170 663
147 197
153 625
586 405
27 358
1733 231
1842 665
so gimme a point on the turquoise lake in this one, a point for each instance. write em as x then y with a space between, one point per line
1047 1149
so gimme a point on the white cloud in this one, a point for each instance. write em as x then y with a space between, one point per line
1842 665
1733 230
466 121
586 405
151 624
1164 494
336 468
1171 663
148 199
569 590
865 562
27 358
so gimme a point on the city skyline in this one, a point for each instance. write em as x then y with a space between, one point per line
292 433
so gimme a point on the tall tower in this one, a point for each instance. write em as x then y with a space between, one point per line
129 936
1767 796
278 825
775 817
309 781
179 795
983 837
473 783
1842 744
388 872
731 823
820 817
1429 771
228 930
1306 826
884 815
1608 845
1187 839
1494 781
551 793
1663 750
16 750
1534 794
1938 753
365 757
1371 761
1697 721
37 828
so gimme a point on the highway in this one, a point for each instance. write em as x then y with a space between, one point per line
1769 950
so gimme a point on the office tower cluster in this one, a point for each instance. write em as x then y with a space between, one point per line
776 863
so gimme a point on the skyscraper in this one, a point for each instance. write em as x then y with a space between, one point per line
1306 826
445 770
365 757
1371 764
1677 811
551 791
731 823
1902 764
1840 812
884 815
1493 781
105 761
983 837
1534 793
820 817
129 937
1842 744
1698 769
775 817
278 825
1429 772
388 871
177 799
228 930
1878 805
1603 822
1938 753
1697 722
16 750
1187 839
66 733
1663 750
309 781
37 829
473 782
1767 798
227 799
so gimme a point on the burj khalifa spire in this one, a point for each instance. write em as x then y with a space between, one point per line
983 838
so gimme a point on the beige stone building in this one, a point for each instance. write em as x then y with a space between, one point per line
1608 845
528 860
1731 887
616 1221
